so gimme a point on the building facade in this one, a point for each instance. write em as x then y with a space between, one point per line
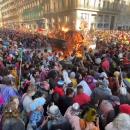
61 14
9 13
78 14
22 13
0 15
123 19
31 14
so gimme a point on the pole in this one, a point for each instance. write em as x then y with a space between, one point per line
20 70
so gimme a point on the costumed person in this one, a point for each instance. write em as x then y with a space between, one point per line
89 121
37 119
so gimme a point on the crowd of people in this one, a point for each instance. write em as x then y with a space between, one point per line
46 90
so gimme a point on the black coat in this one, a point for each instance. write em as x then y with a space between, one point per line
59 124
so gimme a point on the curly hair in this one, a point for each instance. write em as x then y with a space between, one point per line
10 111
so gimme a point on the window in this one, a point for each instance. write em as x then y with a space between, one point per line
106 18
84 16
104 4
99 4
108 5
106 25
100 25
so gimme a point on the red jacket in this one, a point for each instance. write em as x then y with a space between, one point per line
59 90
82 99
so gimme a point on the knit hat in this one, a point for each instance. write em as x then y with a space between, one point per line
90 115
37 103
125 108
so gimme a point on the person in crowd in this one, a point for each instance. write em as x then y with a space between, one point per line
27 98
11 118
90 120
102 91
72 114
105 64
81 97
8 89
99 79
85 86
66 100
26 101
65 74
73 79
52 76
15 101
127 81
106 111
121 122
57 121
37 119
59 88
91 82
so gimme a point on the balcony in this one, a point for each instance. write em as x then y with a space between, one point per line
103 9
